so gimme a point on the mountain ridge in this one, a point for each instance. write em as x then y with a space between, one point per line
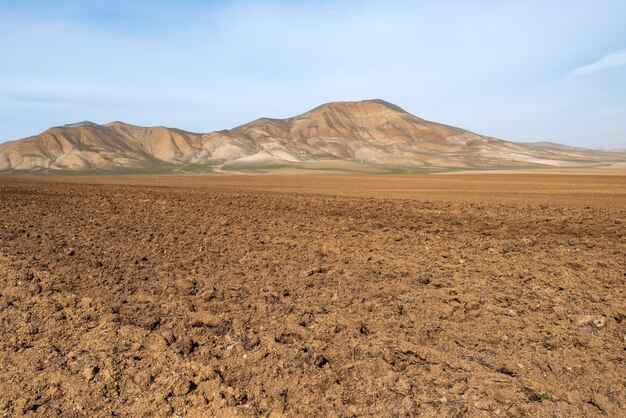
364 135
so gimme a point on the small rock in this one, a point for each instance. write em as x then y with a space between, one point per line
318 270
168 336
204 319
143 379
185 345
472 305
423 279
404 385
482 404
390 379
108 375
208 294
458 389
85 302
597 321
90 372
353 410
149 322
182 387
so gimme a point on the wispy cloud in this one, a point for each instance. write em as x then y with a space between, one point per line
614 59
34 103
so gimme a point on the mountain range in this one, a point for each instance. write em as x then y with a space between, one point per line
369 136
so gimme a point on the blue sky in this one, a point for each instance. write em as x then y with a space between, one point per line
518 70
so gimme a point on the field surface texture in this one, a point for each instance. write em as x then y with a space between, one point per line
447 295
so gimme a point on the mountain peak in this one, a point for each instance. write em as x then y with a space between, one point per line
367 106
81 123
119 124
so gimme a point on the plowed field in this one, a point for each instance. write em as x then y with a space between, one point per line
461 295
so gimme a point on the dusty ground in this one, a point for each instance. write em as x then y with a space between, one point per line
463 295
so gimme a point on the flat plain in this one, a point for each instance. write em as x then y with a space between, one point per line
313 295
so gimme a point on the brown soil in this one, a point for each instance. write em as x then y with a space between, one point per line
463 295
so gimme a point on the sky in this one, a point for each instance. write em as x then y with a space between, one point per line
518 70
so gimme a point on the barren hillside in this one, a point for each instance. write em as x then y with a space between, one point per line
370 135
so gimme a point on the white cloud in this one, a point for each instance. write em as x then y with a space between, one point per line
613 59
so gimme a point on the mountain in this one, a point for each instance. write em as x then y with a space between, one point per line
554 145
614 147
86 145
370 135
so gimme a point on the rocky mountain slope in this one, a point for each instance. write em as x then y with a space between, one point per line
366 135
